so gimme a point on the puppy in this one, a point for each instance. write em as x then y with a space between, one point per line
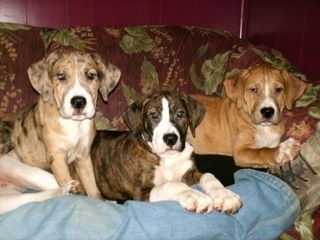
248 123
153 161
59 128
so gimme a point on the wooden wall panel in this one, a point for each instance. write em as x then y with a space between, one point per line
290 26
46 13
13 11
220 14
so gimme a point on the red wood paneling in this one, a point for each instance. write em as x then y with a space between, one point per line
220 14
290 26
46 13
79 12
13 11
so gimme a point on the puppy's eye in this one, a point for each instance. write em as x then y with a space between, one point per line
279 90
91 75
61 76
181 114
253 89
153 115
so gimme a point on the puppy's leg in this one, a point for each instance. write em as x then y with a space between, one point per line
288 150
9 202
84 168
23 175
191 199
224 200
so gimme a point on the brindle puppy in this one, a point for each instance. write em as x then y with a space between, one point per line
154 162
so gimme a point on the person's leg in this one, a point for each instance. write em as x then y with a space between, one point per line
269 207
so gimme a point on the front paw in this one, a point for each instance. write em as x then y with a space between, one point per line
224 200
73 187
195 201
288 150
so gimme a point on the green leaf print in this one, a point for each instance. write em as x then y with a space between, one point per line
314 112
136 40
7 30
130 94
311 95
278 61
13 26
149 72
202 50
65 37
213 71
195 79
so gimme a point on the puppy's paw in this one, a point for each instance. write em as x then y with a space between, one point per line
73 187
224 200
288 150
195 201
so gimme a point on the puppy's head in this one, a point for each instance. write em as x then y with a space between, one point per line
263 92
163 120
72 79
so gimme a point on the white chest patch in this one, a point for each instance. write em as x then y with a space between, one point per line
77 136
265 137
173 166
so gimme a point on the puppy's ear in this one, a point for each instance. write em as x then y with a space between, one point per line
294 88
39 75
234 88
196 113
109 76
132 115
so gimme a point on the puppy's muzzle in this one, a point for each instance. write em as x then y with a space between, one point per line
267 112
170 139
78 102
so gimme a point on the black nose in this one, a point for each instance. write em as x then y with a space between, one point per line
267 112
170 139
78 102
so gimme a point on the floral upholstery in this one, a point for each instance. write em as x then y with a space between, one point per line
188 59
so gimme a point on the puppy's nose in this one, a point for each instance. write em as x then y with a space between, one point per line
78 102
267 112
170 139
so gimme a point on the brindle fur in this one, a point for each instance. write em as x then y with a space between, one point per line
124 163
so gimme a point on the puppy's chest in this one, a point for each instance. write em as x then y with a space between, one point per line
75 131
171 169
267 136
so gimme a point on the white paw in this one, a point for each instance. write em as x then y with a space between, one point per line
288 150
195 201
224 200
69 187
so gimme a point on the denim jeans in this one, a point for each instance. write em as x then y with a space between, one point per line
269 207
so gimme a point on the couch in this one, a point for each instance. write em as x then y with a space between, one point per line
185 58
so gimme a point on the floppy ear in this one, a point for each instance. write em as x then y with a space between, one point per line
132 115
196 113
294 88
39 75
109 76
234 88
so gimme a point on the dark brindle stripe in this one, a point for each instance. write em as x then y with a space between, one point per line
5 137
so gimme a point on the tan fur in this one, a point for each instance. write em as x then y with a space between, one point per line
234 125
52 133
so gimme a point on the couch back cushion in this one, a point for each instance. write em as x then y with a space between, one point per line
186 59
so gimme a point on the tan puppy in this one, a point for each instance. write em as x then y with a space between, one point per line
59 128
248 123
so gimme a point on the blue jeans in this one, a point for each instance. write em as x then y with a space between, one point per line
269 207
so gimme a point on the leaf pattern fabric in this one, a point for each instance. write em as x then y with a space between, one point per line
184 58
